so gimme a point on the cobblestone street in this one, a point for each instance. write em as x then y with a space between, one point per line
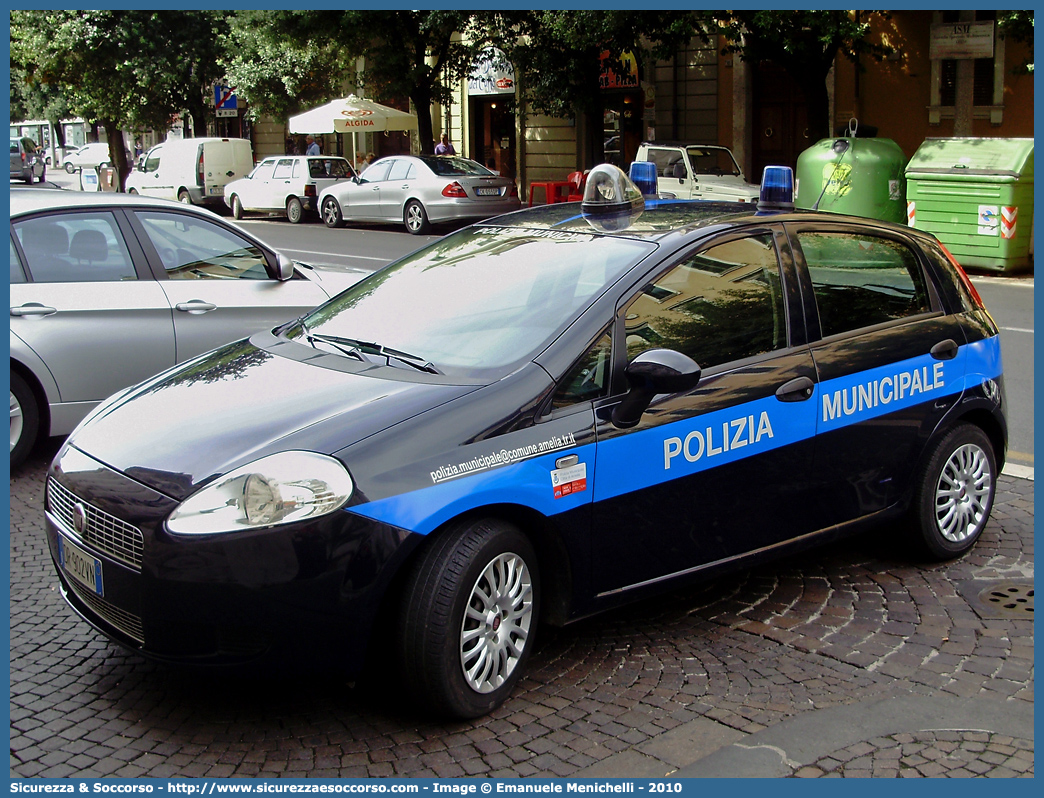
858 660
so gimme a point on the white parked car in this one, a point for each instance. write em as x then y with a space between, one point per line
290 184
90 156
194 171
698 171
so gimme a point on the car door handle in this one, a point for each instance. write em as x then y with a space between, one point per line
797 390
33 309
945 350
196 306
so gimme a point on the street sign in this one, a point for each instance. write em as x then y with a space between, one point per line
230 112
225 100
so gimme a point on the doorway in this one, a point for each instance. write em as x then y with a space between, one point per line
493 133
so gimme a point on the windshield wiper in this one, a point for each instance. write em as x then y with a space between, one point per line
314 338
357 348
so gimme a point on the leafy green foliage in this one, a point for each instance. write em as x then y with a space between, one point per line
123 69
1018 25
288 61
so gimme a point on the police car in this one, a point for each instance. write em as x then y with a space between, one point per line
531 420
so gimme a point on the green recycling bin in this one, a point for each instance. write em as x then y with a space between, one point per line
859 176
976 196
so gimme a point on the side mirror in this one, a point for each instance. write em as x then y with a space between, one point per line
654 372
286 267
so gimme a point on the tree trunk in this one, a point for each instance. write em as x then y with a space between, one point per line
421 98
117 153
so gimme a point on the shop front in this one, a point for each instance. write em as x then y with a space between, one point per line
491 111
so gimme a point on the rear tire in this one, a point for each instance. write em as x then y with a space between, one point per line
183 196
954 495
25 420
294 210
332 216
237 207
415 218
468 618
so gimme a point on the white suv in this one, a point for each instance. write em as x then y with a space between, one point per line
287 183
698 171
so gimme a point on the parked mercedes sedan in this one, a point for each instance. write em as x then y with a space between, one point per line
107 290
419 191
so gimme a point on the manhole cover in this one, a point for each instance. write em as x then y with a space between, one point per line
1011 598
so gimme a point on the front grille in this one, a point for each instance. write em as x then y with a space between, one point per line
126 622
103 532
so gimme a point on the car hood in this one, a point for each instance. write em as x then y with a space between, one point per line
241 402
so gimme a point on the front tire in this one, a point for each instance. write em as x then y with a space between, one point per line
332 216
25 420
954 495
415 218
237 207
70 168
294 210
469 617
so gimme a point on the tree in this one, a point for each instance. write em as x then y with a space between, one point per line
299 58
124 69
803 43
558 55
1018 25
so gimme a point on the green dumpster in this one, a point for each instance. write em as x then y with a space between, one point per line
976 196
860 176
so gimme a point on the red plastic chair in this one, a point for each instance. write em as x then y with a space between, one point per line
577 180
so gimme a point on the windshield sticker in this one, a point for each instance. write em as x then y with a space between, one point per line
484 462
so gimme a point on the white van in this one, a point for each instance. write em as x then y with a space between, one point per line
194 171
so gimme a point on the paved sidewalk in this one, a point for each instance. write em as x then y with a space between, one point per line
847 660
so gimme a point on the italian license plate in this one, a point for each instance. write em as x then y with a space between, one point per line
217 190
488 192
80 565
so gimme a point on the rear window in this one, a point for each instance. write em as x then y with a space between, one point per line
454 167
14 146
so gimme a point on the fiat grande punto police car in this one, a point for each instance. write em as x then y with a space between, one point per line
528 421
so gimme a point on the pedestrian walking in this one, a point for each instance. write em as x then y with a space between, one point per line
444 147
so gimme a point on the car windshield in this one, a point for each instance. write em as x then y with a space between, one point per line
713 161
479 300
449 166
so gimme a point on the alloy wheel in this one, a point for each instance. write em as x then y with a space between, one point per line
496 624
963 492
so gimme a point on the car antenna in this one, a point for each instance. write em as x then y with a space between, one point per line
840 146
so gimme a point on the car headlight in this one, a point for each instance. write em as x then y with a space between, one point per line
278 489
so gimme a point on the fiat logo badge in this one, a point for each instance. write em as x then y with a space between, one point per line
79 518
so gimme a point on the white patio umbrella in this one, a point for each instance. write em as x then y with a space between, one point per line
353 115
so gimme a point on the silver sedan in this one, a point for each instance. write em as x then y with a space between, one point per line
110 289
418 191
